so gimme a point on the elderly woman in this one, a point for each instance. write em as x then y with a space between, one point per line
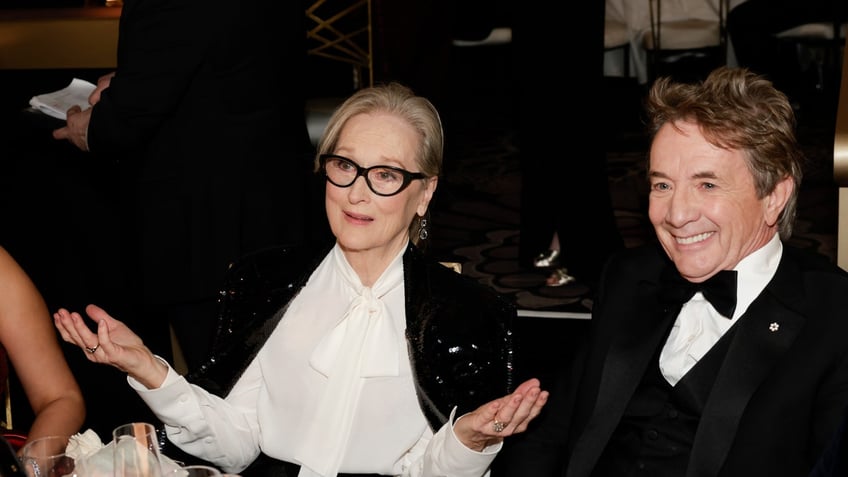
364 358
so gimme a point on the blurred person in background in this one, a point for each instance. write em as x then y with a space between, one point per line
567 220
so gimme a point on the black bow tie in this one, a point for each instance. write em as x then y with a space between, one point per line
719 290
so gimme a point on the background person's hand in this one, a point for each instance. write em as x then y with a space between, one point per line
102 83
511 414
114 344
76 129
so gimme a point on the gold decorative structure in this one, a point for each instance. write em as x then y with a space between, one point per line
840 166
341 31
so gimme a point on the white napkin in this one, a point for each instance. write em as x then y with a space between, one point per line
81 445
93 459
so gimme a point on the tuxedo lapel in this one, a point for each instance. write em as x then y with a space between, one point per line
635 341
764 333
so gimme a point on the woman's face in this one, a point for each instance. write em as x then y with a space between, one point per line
362 221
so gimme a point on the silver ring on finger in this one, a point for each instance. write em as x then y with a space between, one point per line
92 350
498 426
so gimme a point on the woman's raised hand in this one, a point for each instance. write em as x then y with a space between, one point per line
490 423
114 344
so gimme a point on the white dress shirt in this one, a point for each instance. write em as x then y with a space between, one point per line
699 326
287 404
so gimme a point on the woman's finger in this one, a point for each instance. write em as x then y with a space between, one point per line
59 320
70 324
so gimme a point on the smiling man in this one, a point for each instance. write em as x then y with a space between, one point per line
722 351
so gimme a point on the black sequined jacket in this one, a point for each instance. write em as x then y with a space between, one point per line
459 331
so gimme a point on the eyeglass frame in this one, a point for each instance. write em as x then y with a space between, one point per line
408 177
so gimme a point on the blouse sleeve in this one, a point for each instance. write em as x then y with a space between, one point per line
443 454
224 432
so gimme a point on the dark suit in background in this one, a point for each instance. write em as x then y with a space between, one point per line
563 191
204 120
210 136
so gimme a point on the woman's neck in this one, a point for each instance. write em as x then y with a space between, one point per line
370 264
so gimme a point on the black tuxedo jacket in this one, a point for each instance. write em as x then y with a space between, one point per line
211 142
777 399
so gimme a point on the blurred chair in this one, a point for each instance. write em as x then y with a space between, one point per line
497 36
617 39
686 48
455 266
16 438
819 46
5 391
484 62
840 165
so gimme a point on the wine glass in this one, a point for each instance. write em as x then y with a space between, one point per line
196 471
136 450
45 457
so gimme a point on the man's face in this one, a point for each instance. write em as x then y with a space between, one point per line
703 203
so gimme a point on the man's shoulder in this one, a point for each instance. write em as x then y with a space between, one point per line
809 265
810 283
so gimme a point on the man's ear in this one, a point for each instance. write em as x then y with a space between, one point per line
776 201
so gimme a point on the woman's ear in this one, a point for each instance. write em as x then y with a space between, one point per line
429 190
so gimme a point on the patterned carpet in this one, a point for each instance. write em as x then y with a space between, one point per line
476 211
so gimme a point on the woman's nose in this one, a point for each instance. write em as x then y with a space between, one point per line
359 190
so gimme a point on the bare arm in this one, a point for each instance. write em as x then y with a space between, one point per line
35 354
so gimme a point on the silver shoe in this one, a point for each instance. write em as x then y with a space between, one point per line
546 259
559 277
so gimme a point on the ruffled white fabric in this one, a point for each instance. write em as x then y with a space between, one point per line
94 459
363 344
690 339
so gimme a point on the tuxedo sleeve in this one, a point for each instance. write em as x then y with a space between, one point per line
541 450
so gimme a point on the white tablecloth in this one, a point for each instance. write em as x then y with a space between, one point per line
636 15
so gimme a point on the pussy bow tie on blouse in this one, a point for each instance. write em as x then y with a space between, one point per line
363 344
719 290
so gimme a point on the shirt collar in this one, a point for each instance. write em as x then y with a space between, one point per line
754 273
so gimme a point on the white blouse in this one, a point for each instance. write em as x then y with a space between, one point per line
331 390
